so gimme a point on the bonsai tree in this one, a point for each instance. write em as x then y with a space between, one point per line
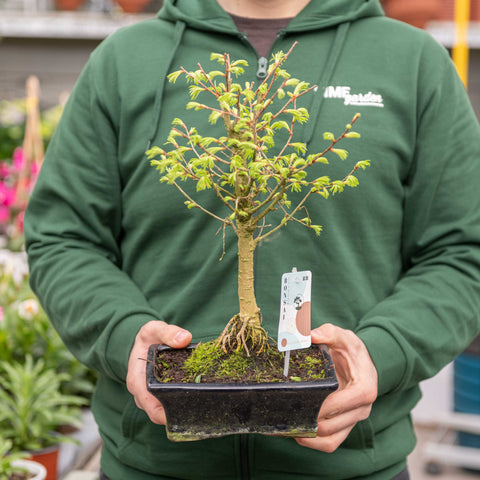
238 167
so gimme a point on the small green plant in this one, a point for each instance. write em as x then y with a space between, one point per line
26 329
8 459
32 407
250 173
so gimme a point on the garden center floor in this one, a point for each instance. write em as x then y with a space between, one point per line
416 463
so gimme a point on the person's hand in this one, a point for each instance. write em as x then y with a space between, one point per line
357 379
150 333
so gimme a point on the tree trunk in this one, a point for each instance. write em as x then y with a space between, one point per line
249 310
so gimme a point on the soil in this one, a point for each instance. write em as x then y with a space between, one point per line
305 365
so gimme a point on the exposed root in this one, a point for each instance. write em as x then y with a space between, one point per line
244 333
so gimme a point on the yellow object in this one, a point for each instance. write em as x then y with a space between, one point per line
460 48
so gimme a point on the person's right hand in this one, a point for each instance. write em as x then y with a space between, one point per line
152 332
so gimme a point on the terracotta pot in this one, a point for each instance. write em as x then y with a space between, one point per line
208 410
69 5
414 12
132 6
34 468
49 459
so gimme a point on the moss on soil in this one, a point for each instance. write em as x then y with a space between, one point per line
211 365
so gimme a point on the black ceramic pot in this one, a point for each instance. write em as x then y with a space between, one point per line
208 410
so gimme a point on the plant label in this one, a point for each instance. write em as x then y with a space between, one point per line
295 325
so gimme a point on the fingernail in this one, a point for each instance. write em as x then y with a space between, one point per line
181 336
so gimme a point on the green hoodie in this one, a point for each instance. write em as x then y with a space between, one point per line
398 261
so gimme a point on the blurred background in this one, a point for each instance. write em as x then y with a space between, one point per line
44 45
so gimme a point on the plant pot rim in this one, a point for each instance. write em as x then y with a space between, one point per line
153 384
33 467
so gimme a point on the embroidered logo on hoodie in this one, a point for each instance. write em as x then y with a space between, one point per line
368 99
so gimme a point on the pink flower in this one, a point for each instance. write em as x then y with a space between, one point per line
4 169
4 214
34 170
7 195
1 314
18 159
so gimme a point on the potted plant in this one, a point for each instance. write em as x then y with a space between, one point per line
26 329
33 408
252 184
15 466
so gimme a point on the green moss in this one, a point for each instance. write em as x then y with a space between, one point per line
312 365
209 360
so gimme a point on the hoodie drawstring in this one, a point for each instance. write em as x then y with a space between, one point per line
324 80
177 38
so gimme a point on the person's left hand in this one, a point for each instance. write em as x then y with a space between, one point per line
357 390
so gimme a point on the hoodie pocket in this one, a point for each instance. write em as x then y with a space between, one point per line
129 419
362 437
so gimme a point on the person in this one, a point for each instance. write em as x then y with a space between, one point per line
120 263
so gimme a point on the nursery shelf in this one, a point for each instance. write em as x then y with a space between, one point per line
442 449
74 25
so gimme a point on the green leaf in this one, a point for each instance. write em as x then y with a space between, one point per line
321 182
352 135
214 150
249 94
317 229
237 71
219 57
216 73
203 183
228 98
195 105
301 86
296 187
316 159
155 151
178 122
351 181
242 62
363 164
324 193
172 77
295 379
337 187
300 147
195 90
214 116
281 124
299 114
329 136
342 154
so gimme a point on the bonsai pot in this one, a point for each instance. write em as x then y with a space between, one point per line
197 411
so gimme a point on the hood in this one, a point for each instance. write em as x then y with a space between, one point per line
207 15
318 14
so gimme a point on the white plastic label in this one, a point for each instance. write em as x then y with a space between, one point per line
294 327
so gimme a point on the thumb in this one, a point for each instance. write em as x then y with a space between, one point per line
327 334
177 337
163 333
